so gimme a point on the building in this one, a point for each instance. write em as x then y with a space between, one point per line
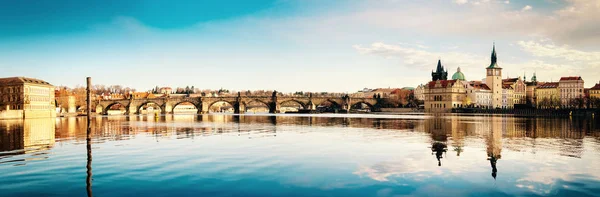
65 100
494 80
519 89
595 91
507 97
420 92
547 95
33 98
383 92
570 88
165 90
479 94
530 87
443 95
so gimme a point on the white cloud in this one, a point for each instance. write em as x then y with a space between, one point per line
507 2
526 8
460 2
420 58
546 48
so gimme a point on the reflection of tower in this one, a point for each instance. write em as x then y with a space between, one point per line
458 135
493 142
438 127
438 148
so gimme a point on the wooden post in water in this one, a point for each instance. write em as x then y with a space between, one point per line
88 179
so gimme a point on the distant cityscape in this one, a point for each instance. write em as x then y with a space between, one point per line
24 97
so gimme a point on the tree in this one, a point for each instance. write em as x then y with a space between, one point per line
577 102
595 102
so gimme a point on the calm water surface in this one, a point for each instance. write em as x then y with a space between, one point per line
322 155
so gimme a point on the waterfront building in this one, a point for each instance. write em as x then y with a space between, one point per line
420 92
494 80
29 97
507 97
519 89
595 91
570 88
547 95
530 87
65 100
479 94
443 95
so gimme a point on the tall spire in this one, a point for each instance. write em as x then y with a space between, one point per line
439 66
494 54
494 58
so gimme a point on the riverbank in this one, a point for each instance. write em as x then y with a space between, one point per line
532 112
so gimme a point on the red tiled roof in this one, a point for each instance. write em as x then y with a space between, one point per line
548 85
444 83
479 85
570 78
506 86
596 87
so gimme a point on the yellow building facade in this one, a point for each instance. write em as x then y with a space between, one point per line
595 91
547 95
34 97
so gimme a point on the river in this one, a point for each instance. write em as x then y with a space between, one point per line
301 155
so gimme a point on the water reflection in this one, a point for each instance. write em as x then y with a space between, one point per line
536 155
34 136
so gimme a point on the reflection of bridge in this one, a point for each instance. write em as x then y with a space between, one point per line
239 103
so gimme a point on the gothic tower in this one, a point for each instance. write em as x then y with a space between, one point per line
494 80
440 73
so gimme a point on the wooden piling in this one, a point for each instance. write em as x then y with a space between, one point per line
88 179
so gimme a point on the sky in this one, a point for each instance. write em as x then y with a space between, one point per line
289 45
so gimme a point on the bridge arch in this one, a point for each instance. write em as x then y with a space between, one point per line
105 111
303 105
355 105
231 103
139 107
248 104
197 106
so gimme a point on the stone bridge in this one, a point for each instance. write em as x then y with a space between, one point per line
239 103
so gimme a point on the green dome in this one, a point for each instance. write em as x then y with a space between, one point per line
458 75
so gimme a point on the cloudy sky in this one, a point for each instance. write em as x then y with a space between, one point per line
288 45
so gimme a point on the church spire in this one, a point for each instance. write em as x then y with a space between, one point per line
494 64
439 66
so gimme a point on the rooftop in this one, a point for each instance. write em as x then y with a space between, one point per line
548 85
570 78
444 83
22 80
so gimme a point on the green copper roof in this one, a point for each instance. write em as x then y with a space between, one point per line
458 75
494 59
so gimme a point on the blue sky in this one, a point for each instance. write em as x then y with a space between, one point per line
287 45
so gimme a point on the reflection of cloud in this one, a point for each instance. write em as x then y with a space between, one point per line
383 171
